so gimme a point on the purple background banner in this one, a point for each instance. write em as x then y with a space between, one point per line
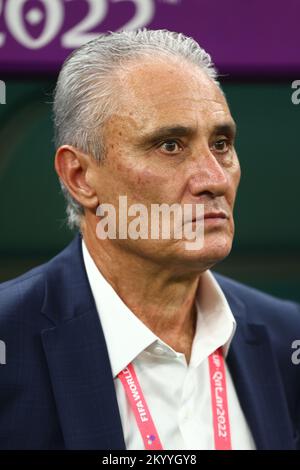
244 37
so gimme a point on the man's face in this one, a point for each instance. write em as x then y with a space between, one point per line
171 142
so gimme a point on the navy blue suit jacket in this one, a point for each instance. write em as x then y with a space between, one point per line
56 388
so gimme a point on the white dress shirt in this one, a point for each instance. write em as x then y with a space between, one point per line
177 394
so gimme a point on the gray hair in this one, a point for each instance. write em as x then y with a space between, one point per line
84 95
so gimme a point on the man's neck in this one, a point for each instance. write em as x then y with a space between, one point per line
162 300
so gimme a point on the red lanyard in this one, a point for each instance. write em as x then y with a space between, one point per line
219 402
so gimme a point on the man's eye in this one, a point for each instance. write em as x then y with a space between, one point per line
221 145
170 146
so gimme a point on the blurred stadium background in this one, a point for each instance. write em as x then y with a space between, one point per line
254 46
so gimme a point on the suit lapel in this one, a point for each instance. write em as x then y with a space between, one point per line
77 358
257 380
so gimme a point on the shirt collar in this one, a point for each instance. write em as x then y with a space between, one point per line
216 324
126 336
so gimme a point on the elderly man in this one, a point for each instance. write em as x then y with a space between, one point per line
131 341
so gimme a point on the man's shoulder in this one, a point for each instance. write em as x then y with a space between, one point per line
26 293
17 291
262 306
21 302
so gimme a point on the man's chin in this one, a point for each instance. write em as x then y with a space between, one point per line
207 255
183 254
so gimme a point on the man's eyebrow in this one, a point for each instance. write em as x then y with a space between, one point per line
226 128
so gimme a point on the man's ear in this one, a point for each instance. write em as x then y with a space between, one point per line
71 165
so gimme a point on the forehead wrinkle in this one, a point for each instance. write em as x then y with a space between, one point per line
138 113
141 105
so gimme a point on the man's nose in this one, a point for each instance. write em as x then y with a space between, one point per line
208 175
